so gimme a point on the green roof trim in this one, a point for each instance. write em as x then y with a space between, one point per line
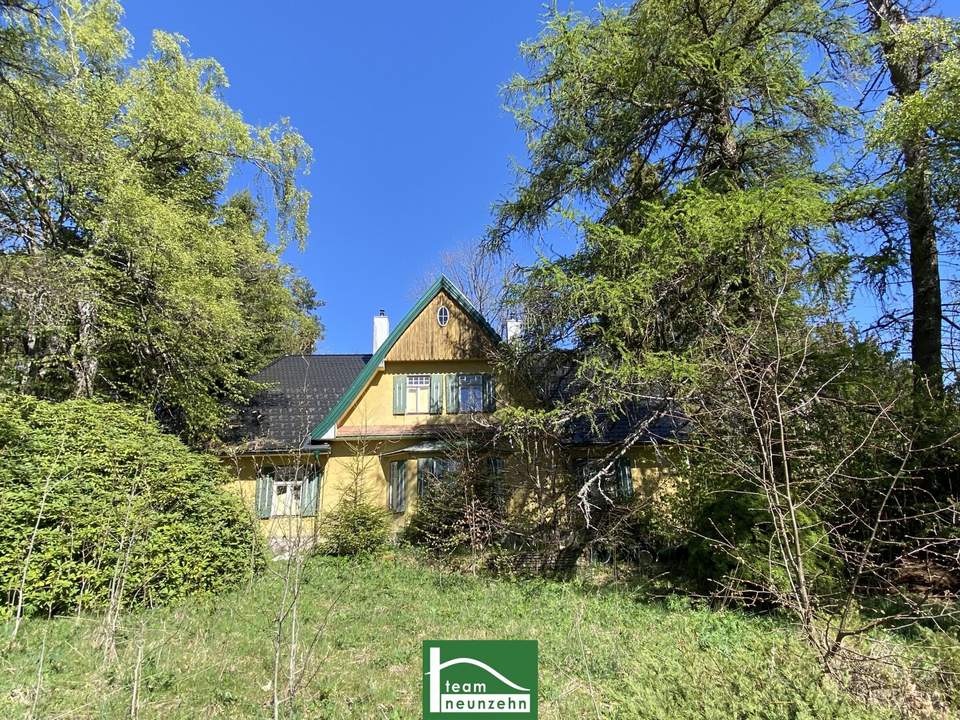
442 283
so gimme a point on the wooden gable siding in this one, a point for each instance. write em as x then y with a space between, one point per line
461 339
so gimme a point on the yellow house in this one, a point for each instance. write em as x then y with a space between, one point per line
376 423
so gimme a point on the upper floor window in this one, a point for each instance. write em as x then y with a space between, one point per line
418 393
471 393
438 392
443 316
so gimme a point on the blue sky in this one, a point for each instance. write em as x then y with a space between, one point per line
401 104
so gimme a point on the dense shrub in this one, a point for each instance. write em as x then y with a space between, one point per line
355 528
465 508
99 497
440 520
732 546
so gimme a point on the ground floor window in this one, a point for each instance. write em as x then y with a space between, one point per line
487 480
616 482
287 490
431 471
498 492
286 496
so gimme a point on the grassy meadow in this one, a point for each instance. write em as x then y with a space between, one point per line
604 653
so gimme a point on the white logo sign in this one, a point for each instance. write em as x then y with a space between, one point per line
472 697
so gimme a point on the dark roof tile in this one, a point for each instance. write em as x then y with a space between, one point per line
302 389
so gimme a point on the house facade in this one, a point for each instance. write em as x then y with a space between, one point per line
381 423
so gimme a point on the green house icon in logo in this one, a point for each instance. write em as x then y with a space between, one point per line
479 678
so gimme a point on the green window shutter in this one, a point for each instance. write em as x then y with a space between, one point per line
392 485
625 477
309 495
402 488
423 465
489 398
264 495
399 394
436 394
453 393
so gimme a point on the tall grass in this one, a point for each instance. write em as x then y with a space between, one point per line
603 653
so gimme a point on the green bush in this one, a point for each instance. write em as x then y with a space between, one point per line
94 496
732 545
439 522
355 528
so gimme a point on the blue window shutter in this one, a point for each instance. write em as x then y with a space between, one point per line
625 477
309 495
489 399
264 495
453 393
436 394
399 394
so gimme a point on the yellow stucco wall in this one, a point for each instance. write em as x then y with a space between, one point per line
368 461
347 463
374 407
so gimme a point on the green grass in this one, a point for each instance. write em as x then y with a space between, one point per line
603 653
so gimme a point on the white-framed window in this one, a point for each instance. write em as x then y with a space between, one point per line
471 393
418 393
443 316
287 490
286 497
287 487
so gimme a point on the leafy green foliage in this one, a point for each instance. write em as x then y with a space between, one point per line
682 146
680 143
95 499
625 107
125 270
732 549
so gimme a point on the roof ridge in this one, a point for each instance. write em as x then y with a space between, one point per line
356 354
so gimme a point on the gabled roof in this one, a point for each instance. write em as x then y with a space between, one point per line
302 390
360 382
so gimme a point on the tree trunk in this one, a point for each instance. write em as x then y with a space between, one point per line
925 344
87 364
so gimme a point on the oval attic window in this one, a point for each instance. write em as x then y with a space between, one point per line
443 315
